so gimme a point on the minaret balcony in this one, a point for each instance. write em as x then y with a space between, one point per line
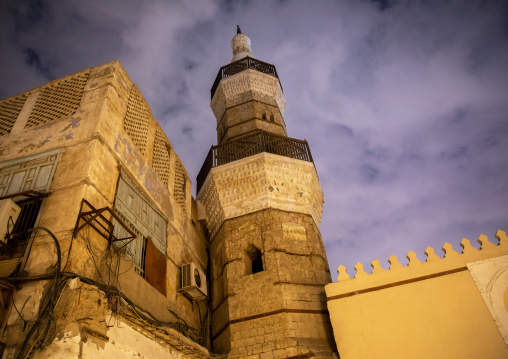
252 144
241 65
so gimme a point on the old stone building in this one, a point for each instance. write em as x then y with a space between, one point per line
262 203
104 253
114 226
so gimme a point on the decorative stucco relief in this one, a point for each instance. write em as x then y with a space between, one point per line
259 182
265 88
491 277
211 202
294 231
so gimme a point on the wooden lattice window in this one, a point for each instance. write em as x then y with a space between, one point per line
9 112
160 160
135 208
148 250
57 100
136 119
180 179
32 174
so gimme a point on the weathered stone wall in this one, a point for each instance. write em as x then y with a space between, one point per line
258 182
248 101
93 143
89 323
285 335
257 313
249 116
264 207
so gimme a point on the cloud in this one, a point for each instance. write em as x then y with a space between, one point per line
404 103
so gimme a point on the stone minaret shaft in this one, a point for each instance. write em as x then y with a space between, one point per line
262 204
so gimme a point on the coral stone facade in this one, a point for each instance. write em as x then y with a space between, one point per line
263 210
92 267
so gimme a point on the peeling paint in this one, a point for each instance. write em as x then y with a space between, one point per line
87 168
65 128
46 125
75 121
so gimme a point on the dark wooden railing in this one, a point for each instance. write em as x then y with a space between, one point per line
250 145
241 65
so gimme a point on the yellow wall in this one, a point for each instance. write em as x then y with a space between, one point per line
425 310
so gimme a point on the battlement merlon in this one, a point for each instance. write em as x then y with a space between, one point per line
416 270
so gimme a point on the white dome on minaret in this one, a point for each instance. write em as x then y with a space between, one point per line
241 46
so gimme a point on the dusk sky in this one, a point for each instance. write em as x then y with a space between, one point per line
404 103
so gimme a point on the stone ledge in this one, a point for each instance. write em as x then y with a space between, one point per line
260 182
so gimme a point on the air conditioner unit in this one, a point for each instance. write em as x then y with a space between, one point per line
193 281
9 212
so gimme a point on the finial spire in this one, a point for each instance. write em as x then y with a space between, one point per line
240 45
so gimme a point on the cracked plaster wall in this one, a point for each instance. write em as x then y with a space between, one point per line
92 144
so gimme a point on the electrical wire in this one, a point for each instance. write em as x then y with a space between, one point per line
111 292
19 313
69 252
52 301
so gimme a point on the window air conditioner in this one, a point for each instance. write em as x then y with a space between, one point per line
193 281
9 212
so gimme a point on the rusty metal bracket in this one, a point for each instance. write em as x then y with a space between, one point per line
95 218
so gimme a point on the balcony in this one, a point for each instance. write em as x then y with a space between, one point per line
250 145
241 65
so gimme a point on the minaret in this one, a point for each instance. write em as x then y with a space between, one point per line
259 194
257 103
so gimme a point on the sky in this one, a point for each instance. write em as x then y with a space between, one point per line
404 103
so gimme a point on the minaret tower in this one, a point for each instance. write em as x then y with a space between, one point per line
259 194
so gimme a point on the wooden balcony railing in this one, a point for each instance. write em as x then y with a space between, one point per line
250 145
241 65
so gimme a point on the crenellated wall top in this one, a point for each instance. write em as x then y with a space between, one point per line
416 269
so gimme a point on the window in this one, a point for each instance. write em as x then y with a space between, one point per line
148 250
136 249
15 247
26 181
253 261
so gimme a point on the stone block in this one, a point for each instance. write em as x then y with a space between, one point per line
269 345
279 354
257 349
250 341
291 352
